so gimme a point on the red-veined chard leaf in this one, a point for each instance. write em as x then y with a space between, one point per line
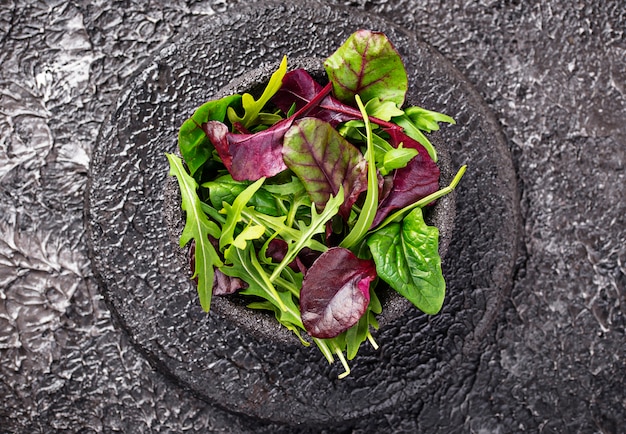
407 258
324 161
416 180
193 143
367 64
249 157
335 292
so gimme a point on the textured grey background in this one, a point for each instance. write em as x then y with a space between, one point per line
554 74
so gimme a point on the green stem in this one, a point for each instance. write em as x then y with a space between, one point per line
343 360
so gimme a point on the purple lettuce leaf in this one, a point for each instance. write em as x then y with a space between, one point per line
249 157
335 292
409 184
300 88
324 161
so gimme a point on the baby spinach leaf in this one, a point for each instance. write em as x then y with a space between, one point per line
407 258
397 158
253 107
198 228
193 143
367 64
335 292
226 189
324 161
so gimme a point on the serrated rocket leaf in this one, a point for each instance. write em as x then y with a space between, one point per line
198 228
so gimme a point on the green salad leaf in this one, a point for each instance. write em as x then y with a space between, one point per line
407 258
193 143
198 228
253 107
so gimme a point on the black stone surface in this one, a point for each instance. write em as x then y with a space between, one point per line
148 286
553 360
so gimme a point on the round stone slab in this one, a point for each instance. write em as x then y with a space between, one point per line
144 275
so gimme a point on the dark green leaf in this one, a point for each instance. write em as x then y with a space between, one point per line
193 143
226 189
407 258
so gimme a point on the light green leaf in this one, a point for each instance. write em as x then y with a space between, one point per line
427 120
250 232
233 212
397 158
366 217
384 110
253 107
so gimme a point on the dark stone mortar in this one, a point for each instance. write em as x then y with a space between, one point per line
148 288
261 324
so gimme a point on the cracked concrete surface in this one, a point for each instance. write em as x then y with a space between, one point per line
553 73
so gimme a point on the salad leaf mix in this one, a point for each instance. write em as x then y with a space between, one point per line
309 199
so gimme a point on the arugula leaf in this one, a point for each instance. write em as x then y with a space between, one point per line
193 143
287 233
407 258
316 226
367 64
251 107
233 212
324 161
197 227
243 263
